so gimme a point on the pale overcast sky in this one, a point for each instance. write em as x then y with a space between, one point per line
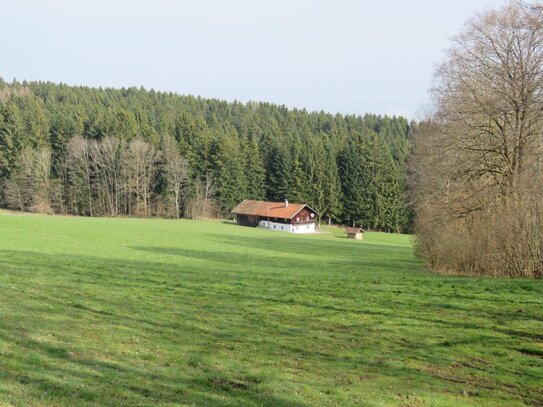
342 56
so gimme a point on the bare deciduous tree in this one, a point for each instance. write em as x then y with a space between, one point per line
41 181
79 161
17 190
140 167
109 159
477 163
201 204
175 170
29 187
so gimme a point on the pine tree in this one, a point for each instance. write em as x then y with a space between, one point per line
313 157
332 187
279 174
229 172
386 187
356 178
11 136
254 171
296 183
36 123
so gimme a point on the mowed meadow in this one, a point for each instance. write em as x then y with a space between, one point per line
112 312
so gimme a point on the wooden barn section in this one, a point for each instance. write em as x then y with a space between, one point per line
280 216
354 233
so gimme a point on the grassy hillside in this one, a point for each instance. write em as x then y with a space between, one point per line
156 312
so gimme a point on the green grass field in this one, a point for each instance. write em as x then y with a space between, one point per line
120 312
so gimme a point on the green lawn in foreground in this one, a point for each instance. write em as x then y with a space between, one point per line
122 312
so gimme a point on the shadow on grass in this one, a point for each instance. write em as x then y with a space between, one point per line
52 372
295 262
296 244
232 258
206 321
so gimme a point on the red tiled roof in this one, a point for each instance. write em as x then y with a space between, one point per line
271 209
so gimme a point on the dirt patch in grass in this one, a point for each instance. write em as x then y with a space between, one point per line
230 384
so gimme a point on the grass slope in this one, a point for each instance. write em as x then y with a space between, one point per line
155 312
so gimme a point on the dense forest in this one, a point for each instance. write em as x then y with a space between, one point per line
117 152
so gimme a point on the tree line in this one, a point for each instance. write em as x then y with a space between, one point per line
130 151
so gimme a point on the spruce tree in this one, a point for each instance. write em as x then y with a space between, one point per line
332 187
254 170
356 178
229 172
296 183
36 123
314 176
279 174
11 136
386 187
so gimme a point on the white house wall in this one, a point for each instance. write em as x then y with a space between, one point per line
282 227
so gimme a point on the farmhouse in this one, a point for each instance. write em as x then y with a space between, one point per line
354 233
281 216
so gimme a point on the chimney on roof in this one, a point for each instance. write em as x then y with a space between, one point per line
286 203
